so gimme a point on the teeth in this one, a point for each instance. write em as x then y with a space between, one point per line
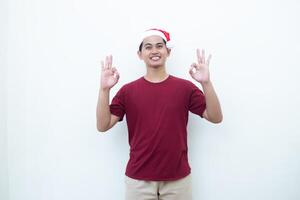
155 58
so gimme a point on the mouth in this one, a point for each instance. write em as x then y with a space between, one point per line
155 58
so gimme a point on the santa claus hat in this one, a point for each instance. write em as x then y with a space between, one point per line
159 32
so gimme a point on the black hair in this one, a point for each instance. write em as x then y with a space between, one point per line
141 45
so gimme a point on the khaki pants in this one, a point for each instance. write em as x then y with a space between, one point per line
180 189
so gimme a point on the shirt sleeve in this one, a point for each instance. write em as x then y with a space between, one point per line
197 103
117 106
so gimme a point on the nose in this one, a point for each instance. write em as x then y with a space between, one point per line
154 50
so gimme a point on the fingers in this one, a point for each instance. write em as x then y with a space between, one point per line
193 66
201 57
108 62
115 73
208 59
191 70
114 70
102 65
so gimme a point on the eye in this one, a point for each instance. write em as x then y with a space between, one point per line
160 46
148 47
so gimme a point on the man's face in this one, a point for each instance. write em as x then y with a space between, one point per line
154 51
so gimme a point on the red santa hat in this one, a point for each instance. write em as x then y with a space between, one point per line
159 32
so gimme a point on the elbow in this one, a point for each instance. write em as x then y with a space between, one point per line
217 120
101 128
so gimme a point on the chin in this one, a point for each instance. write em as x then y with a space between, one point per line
156 65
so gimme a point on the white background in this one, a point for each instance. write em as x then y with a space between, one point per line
50 57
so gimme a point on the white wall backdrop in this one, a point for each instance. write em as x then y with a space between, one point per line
50 73
3 101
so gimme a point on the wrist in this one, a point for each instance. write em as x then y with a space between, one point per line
104 90
206 83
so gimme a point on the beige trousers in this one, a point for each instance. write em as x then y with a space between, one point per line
180 189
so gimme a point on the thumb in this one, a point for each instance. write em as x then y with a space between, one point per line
193 66
191 70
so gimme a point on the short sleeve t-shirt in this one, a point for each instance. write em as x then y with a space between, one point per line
157 117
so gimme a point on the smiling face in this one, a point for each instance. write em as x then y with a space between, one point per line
154 51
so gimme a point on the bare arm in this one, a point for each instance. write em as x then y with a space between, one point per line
109 77
200 72
105 120
213 112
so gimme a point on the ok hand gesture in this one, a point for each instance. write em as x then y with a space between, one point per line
200 71
109 74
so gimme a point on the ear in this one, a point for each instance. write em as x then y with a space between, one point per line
169 51
139 54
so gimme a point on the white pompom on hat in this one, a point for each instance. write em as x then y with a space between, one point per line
159 32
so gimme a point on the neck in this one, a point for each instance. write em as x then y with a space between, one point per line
156 74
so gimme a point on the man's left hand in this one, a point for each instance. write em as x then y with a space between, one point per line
200 71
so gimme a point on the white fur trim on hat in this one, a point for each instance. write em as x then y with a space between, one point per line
158 32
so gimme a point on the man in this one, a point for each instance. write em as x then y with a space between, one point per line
156 108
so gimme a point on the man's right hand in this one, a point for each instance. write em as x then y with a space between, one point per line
109 74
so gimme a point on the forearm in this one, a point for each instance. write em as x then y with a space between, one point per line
213 107
103 111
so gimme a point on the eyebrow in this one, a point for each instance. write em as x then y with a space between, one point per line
153 44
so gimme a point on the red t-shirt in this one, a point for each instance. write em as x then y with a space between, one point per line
157 117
